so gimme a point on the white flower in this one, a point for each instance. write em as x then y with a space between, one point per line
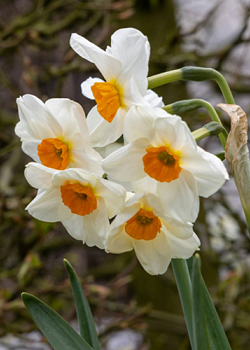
82 201
143 226
163 158
55 133
124 66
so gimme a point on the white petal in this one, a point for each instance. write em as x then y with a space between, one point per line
126 163
48 206
126 213
112 194
76 174
139 123
179 230
154 202
107 150
146 184
180 198
92 229
154 255
119 241
174 132
208 170
130 93
39 176
132 49
74 226
184 244
21 131
86 87
82 160
96 226
103 132
108 65
70 116
153 99
36 118
30 148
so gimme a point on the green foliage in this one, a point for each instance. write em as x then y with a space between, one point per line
57 331
203 324
208 331
85 318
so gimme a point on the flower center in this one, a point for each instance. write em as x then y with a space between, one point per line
161 164
80 199
143 225
53 153
107 99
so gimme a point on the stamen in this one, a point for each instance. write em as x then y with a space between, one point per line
161 164
80 199
107 98
53 153
143 225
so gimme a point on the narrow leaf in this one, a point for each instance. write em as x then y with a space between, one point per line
56 330
184 286
209 333
84 315
201 332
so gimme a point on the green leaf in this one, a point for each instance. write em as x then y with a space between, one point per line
208 331
56 330
184 286
84 315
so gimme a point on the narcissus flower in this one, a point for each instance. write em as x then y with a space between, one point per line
55 133
124 66
143 226
82 201
162 157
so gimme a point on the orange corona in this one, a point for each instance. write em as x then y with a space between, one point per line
53 153
161 164
107 99
143 225
80 199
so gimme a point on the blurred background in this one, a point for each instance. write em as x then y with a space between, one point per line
133 310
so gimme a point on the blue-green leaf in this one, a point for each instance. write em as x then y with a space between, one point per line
84 315
208 331
56 330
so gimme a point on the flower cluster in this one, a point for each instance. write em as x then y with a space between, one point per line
141 195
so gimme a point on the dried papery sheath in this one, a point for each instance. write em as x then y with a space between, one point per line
237 154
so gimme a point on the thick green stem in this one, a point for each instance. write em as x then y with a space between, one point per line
184 287
194 74
189 105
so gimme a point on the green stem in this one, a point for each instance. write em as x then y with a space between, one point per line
209 129
194 74
189 105
184 287
164 78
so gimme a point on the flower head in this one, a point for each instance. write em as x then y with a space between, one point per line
124 66
83 201
143 226
163 157
55 134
